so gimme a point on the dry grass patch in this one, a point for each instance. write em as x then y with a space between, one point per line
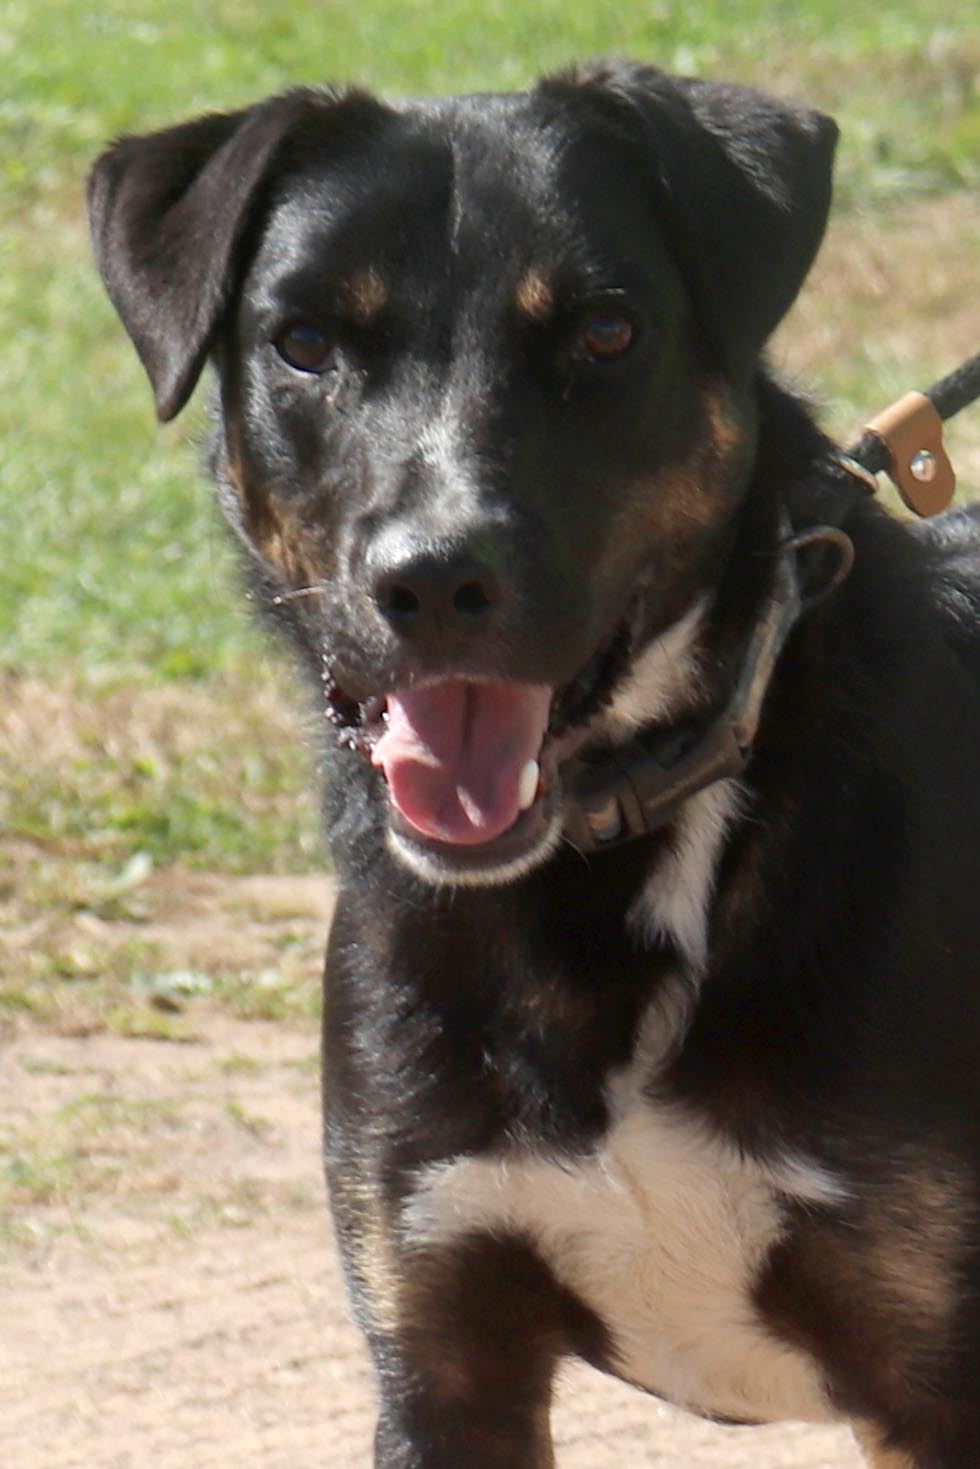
107 800
892 304
187 945
220 773
113 1141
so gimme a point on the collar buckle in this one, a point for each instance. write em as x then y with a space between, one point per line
635 791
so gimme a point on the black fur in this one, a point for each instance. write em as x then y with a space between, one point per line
453 254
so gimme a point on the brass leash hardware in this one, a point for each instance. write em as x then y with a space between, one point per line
919 467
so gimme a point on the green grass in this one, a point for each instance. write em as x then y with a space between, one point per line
117 575
905 73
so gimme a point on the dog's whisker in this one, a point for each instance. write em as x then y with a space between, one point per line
566 841
319 589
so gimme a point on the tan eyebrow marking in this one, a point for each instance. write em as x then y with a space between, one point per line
363 295
535 296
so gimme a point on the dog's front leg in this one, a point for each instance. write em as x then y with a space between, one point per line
419 1433
466 1331
467 1359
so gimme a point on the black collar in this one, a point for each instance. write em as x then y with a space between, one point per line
632 790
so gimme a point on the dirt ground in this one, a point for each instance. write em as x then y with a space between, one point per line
170 1290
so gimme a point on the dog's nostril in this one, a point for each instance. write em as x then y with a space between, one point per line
471 598
401 601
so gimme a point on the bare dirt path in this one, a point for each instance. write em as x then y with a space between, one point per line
169 1291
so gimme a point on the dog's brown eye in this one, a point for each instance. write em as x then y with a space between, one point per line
604 334
304 347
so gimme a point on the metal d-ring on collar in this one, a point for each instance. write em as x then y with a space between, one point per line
637 788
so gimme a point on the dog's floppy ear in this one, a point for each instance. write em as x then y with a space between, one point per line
742 181
168 213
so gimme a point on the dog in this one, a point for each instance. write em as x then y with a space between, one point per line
652 1010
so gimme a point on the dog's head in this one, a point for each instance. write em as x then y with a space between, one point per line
486 369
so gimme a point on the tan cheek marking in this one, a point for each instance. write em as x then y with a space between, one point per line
672 514
364 295
726 437
535 297
703 495
286 548
674 511
278 535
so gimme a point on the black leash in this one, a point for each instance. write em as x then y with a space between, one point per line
633 790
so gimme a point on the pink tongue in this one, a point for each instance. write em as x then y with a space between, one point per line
453 753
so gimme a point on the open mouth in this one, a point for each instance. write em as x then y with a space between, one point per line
471 765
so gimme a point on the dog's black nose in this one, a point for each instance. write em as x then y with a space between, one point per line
432 592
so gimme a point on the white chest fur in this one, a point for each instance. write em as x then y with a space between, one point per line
662 1231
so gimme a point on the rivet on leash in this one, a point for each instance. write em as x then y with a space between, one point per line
923 466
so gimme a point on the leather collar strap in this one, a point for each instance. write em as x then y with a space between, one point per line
635 789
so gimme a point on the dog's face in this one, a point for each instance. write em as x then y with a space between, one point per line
486 370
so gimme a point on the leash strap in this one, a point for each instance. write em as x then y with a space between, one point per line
918 465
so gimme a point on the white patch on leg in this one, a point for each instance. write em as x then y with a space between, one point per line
662 1230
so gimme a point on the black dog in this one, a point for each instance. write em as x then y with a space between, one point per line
652 1024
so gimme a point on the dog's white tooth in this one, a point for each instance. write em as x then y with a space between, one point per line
527 787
